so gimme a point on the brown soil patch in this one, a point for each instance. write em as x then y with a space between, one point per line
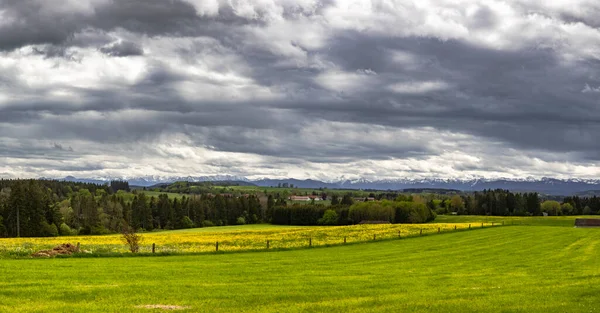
65 249
163 307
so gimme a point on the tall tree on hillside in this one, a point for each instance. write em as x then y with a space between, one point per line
270 207
347 200
335 200
141 213
165 211
457 204
16 215
117 185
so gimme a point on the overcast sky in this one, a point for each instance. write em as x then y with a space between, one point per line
300 88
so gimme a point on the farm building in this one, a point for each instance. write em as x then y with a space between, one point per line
305 198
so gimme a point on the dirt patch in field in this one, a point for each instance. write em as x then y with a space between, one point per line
163 307
64 249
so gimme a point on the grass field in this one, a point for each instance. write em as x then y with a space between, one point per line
230 238
502 269
128 196
567 221
170 194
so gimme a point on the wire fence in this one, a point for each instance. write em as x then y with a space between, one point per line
211 242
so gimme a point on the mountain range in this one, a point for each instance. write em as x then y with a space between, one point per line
549 186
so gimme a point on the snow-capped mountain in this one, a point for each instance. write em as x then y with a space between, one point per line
548 186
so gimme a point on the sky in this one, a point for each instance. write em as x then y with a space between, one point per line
320 89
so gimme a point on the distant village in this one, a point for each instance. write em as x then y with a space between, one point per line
318 198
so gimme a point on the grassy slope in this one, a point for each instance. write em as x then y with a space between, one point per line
508 269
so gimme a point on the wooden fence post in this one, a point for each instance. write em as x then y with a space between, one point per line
399 234
217 246
310 242
454 227
153 247
267 244
78 246
469 226
344 239
421 233
439 230
374 237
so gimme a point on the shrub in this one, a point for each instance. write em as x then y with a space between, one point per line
411 212
99 230
207 223
553 208
240 221
186 222
65 230
132 239
330 217
372 211
48 230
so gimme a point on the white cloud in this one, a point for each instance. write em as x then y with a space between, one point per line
587 88
419 87
346 82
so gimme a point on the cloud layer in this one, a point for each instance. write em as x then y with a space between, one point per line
306 89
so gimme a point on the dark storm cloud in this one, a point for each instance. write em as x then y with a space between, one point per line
33 23
123 49
58 146
29 25
51 51
528 96
524 97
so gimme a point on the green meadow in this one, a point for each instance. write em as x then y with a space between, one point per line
564 221
517 268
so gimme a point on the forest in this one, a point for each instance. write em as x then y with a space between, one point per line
33 208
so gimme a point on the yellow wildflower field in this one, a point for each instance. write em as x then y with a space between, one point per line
240 238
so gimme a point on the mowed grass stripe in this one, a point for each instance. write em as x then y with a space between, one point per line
505 269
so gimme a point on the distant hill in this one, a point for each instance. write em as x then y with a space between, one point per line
431 190
548 186
588 193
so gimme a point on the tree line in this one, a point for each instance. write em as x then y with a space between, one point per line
381 211
505 203
33 208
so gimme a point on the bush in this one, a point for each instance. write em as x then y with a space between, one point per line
132 239
48 230
65 230
99 230
186 222
372 211
330 217
207 223
411 212
240 221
